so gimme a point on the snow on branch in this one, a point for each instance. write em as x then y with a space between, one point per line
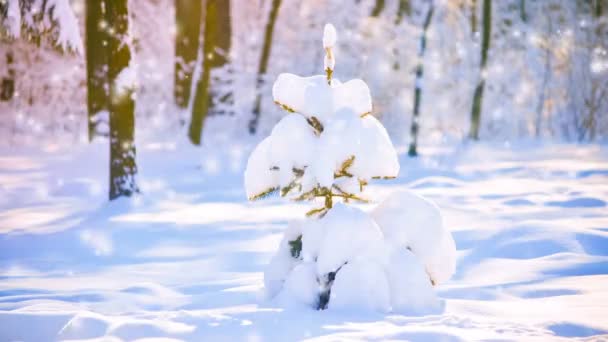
54 18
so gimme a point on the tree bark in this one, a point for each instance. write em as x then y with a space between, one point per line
263 66
121 105
485 46
188 27
473 17
414 128
403 9
97 63
540 107
216 47
377 8
7 88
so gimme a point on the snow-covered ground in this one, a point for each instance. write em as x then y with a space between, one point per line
184 260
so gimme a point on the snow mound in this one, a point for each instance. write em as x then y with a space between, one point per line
360 285
347 257
349 232
415 223
409 285
301 286
282 262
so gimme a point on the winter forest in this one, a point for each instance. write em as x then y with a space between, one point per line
261 170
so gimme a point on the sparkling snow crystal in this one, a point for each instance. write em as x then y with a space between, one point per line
328 147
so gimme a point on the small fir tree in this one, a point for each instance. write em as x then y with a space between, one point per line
329 147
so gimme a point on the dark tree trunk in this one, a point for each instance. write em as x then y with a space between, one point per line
403 9
485 46
413 149
122 105
473 17
263 66
377 8
188 27
7 88
522 10
97 63
216 47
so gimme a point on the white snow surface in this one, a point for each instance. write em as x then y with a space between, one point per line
409 286
349 234
360 285
301 287
184 261
415 223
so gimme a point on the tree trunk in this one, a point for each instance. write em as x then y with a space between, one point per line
97 63
522 10
473 17
540 108
216 47
263 66
404 8
377 8
188 27
122 105
413 149
7 88
485 46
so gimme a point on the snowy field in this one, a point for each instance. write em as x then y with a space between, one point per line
184 261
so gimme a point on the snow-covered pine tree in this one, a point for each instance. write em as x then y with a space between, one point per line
35 20
329 147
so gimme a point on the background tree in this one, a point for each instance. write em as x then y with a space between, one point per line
7 87
122 105
403 9
216 46
473 17
485 46
378 7
187 32
36 21
415 126
97 63
263 66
